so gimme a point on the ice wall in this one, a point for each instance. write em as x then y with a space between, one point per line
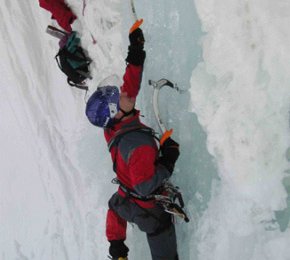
240 94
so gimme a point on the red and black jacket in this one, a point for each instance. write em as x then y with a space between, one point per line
136 155
135 159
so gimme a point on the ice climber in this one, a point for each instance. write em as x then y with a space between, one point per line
140 171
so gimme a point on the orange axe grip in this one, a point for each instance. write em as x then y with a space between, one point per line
136 25
165 136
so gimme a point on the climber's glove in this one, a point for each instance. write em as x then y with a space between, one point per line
136 38
169 154
118 249
136 54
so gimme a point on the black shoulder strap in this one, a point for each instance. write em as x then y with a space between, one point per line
114 141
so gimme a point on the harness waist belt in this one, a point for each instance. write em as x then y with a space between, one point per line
134 195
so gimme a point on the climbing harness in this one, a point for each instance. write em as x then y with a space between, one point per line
165 196
132 194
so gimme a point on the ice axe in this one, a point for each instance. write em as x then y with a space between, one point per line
138 22
157 85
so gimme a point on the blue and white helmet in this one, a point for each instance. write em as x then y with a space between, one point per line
103 105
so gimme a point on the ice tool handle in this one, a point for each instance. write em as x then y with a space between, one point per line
157 85
138 22
133 10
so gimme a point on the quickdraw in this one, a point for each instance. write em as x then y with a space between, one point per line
168 202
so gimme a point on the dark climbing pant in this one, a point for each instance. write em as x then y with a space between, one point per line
155 222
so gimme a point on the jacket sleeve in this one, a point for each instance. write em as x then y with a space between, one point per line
115 226
132 80
145 174
60 11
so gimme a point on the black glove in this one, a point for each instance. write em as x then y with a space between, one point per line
136 38
136 54
170 154
118 248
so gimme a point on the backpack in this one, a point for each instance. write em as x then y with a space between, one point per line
73 62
